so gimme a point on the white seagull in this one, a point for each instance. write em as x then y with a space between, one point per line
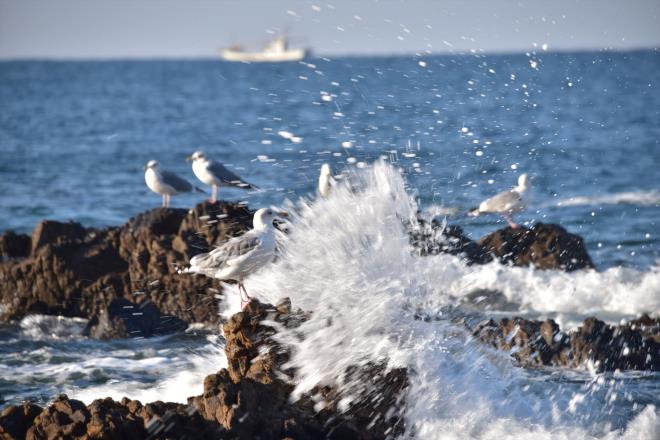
165 182
505 203
326 181
241 256
215 174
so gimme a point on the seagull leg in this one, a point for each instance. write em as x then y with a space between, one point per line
244 301
164 201
167 200
214 193
510 221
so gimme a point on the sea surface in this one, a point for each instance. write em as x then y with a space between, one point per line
452 130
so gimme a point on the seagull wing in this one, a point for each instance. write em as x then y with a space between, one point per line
224 175
225 254
178 183
502 202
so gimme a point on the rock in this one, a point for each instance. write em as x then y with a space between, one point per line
251 397
544 246
610 348
53 232
106 419
14 245
124 319
531 343
434 238
631 346
211 223
78 272
16 420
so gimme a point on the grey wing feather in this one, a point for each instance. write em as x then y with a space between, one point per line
226 176
218 257
178 183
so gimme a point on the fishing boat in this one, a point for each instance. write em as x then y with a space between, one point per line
277 50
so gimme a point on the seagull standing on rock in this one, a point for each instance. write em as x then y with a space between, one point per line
505 203
215 174
241 256
165 182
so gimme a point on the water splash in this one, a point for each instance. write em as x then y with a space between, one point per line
347 259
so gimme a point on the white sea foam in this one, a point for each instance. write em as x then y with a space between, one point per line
642 198
179 377
63 361
39 327
347 259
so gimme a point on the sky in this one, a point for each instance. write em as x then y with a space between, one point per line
100 29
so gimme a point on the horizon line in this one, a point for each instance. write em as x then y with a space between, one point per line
338 55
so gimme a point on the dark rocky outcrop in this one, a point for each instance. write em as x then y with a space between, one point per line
544 246
434 238
13 245
251 398
76 271
106 419
631 346
16 420
124 319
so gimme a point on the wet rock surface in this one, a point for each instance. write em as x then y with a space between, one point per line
78 272
124 319
251 398
435 238
544 246
13 245
67 418
634 345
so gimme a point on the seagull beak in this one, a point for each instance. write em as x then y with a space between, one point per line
189 158
283 214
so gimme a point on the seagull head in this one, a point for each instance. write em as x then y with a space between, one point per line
197 155
325 169
523 182
264 217
152 164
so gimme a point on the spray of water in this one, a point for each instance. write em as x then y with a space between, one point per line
348 260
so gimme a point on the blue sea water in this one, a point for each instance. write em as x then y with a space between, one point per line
74 137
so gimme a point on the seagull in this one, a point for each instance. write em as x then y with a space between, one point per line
165 182
215 174
326 181
241 256
506 202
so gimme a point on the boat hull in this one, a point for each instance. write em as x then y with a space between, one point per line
263 57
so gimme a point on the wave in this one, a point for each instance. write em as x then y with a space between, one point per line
641 198
42 327
347 259
48 355
179 376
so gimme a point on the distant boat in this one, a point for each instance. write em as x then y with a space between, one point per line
277 50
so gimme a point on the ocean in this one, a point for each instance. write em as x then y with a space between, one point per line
74 137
